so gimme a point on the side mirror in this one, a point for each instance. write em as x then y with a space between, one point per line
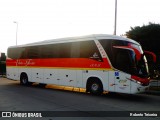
151 57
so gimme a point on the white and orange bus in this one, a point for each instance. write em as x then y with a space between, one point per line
97 63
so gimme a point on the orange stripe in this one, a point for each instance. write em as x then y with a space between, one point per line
60 62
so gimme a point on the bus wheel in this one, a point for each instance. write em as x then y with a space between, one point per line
95 87
24 79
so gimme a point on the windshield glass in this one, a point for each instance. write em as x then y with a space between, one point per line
141 61
126 56
142 67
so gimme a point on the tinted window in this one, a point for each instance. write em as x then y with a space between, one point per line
119 43
65 50
108 46
49 51
125 60
88 49
32 52
15 53
85 49
121 59
75 50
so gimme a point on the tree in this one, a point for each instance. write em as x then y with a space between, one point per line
147 35
149 38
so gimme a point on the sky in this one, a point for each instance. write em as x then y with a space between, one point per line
50 19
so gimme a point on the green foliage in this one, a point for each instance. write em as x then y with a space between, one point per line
147 35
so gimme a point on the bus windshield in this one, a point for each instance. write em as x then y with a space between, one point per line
126 56
142 67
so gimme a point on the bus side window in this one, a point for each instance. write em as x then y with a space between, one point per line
33 52
65 50
46 51
23 54
88 49
16 53
75 50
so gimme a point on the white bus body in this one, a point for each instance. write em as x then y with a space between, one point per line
96 62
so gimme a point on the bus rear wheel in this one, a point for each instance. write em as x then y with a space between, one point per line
24 80
95 87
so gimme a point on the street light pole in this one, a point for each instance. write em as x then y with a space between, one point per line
115 19
16 30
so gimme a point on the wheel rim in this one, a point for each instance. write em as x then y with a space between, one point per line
24 80
94 87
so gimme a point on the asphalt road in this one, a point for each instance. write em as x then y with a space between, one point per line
15 97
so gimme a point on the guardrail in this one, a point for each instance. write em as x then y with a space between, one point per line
155 83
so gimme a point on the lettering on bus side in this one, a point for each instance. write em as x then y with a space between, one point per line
95 65
25 63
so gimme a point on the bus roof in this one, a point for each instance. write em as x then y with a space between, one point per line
79 38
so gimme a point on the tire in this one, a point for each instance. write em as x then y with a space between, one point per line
24 80
95 87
